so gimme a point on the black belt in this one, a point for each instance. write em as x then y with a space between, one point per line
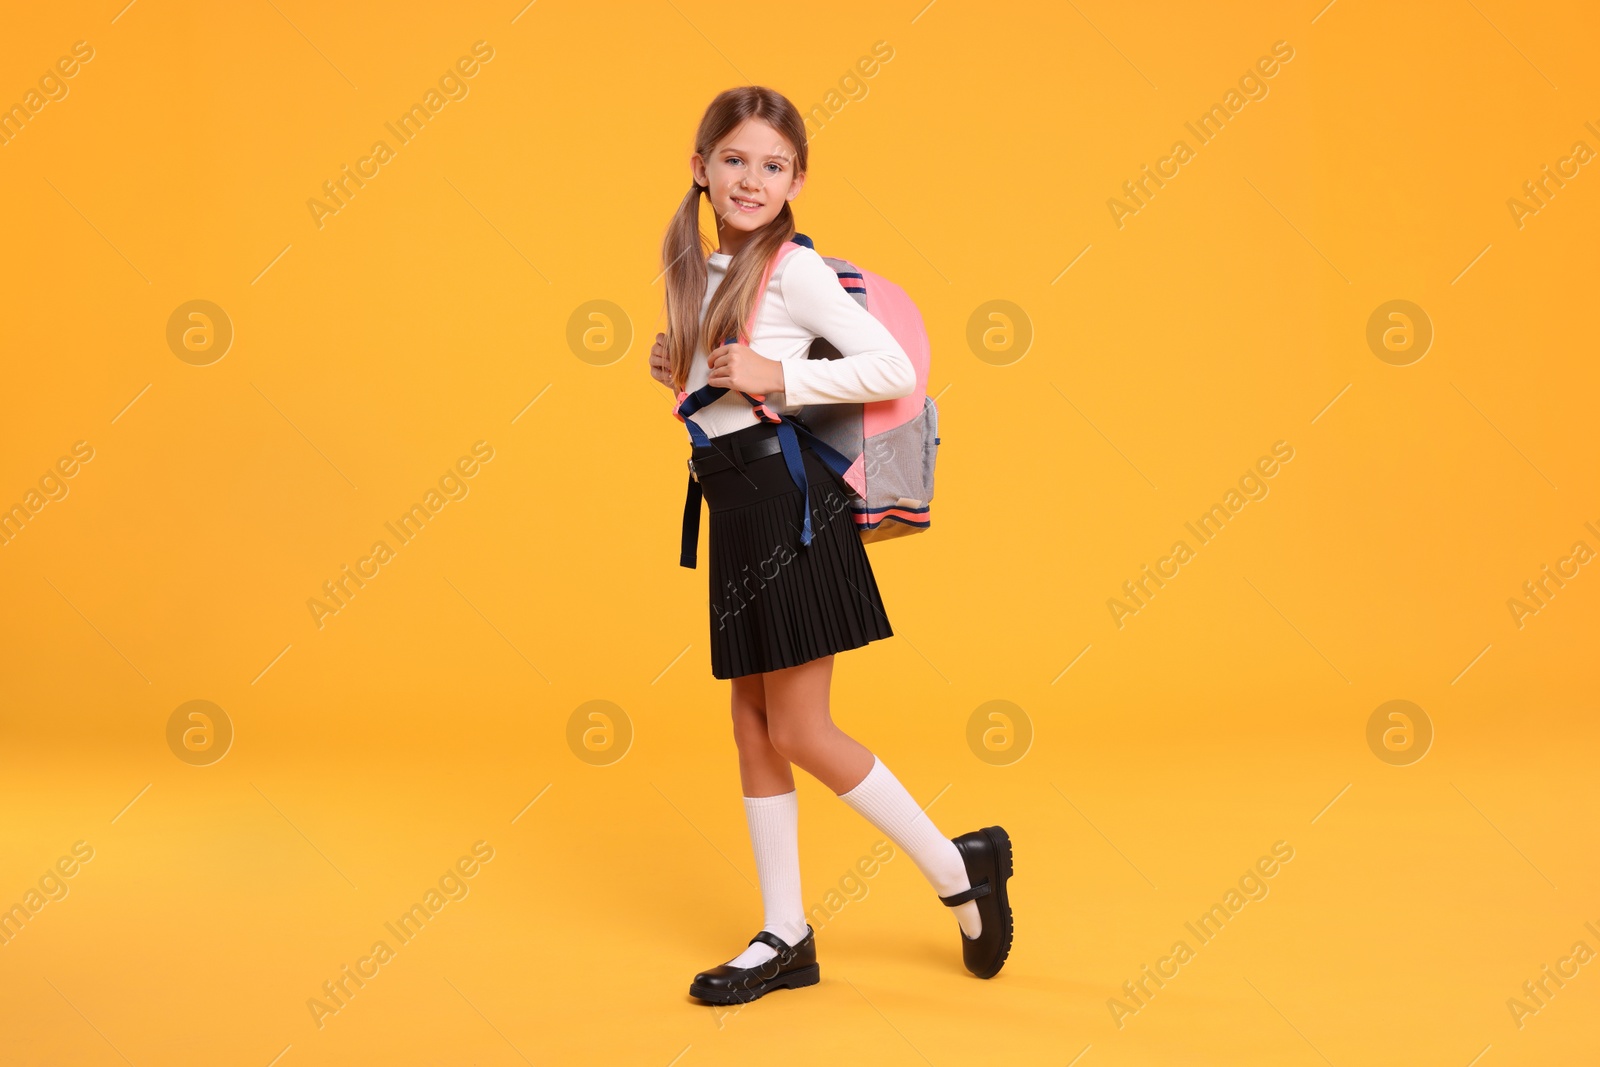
733 454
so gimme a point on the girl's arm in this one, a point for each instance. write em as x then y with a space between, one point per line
874 366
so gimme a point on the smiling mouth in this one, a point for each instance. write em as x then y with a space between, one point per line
748 205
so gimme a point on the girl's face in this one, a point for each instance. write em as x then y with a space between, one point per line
750 176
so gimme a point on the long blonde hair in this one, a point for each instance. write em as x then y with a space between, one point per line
686 270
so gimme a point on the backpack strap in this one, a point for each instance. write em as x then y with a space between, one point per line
691 524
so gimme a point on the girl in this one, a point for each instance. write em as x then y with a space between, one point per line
780 608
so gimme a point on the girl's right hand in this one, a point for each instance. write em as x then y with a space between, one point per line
660 370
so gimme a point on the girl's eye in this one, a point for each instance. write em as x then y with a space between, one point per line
775 166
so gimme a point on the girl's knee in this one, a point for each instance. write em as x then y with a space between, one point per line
791 737
749 721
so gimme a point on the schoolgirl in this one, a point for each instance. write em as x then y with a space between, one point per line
781 608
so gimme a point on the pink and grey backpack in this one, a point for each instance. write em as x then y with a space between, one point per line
883 449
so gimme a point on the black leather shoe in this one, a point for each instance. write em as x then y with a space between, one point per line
987 854
793 967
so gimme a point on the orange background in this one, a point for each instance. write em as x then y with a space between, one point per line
435 709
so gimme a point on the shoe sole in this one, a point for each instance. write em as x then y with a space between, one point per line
1003 863
796 979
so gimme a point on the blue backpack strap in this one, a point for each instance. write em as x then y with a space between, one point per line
692 498
691 524
692 403
797 473
790 444
788 438
837 461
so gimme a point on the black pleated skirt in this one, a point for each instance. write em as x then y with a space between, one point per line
774 602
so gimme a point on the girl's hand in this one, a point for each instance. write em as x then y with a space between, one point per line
736 367
659 369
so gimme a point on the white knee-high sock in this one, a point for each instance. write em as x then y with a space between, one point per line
775 840
883 801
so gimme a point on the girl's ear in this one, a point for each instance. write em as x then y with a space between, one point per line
697 169
794 189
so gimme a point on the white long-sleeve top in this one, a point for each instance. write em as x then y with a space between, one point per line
804 301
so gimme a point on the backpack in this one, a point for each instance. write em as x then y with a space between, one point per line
884 450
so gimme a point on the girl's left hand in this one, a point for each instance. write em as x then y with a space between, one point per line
735 366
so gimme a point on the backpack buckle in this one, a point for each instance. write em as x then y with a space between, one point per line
692 472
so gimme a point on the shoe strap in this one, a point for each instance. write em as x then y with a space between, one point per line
767 937
970 893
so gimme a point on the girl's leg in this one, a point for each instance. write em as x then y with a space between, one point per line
773 815
801 728
763 771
